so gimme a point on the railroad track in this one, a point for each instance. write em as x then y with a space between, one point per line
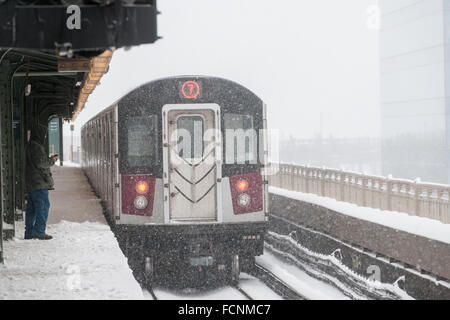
236 287
243 292
268 278
150 290
275 283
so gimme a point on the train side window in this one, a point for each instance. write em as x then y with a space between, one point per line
241 140
142 141
190 137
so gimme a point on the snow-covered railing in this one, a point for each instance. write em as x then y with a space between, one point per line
386 193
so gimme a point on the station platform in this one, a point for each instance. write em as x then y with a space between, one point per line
82 261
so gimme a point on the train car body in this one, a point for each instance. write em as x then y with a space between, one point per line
179 165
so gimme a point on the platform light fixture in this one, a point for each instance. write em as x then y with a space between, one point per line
28 90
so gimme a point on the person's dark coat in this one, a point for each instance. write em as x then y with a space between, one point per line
37 162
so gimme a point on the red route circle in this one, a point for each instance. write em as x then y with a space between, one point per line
190 89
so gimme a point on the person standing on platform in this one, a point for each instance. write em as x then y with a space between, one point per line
38 180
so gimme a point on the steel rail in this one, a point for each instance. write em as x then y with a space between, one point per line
242 291
275 283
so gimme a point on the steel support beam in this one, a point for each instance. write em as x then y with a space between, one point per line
7 144
19 155
45 74
61 144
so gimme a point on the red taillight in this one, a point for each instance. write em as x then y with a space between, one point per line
138 193
142 187
242 185
247 192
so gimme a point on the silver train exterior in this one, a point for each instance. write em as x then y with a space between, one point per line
179 164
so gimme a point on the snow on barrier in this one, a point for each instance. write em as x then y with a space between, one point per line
415 198
425 251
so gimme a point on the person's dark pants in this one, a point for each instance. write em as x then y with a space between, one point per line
36 213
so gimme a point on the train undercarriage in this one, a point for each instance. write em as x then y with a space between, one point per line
194 254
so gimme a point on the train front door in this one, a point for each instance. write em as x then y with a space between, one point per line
192 163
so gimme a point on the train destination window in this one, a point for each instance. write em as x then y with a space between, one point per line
190 137
142 141
240 139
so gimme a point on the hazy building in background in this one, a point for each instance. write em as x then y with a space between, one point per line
415 88
348 154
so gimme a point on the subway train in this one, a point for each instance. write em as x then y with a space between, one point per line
179 164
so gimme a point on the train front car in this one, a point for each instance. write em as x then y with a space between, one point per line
191 158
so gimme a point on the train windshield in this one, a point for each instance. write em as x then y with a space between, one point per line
190 137
240 139
142 141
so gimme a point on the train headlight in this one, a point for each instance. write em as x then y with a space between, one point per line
142 187
140 202
244 200
242 185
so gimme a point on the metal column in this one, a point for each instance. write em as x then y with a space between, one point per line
7 152
61 144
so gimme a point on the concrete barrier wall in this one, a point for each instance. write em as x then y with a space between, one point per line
424 254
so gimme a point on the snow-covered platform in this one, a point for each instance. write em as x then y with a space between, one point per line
83 261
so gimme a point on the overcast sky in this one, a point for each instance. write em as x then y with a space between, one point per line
314 62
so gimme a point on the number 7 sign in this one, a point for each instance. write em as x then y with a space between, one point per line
190 89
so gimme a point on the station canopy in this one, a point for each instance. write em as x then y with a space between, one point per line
63 47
